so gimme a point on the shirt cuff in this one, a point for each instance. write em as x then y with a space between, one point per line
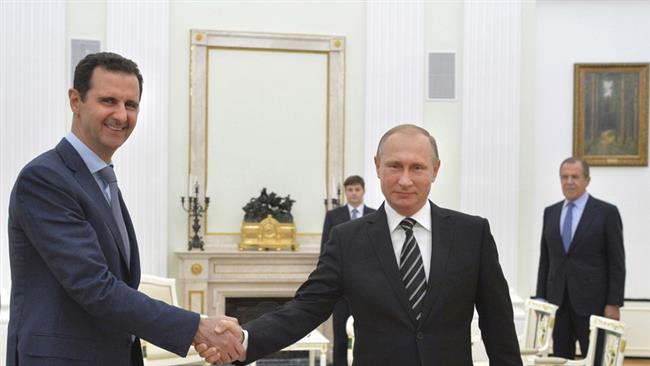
245 341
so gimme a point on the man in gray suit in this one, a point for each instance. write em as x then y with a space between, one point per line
582 260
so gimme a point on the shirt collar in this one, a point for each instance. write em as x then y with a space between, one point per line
92 160
423 217
359 208
580 202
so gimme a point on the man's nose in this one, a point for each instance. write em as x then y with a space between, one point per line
120 113
405 178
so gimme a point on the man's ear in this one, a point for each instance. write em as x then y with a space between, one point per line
436 168
75 100
376 158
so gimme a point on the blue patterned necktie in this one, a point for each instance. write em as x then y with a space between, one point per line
355 214
108 175
411 268
567 226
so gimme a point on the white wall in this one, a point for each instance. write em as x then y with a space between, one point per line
571 32
443 31
32 96
83 20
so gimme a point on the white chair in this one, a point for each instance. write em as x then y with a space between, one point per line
349 329
163 289
538 331
612 350
538 328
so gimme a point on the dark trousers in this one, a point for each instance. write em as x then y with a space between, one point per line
341 313
569 327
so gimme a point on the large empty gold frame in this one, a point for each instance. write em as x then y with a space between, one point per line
201 43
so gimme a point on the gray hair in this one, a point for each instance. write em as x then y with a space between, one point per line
573 160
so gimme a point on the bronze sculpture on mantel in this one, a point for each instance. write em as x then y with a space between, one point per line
268 223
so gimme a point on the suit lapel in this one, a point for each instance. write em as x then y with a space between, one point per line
442 237
555 236
346 214
81 173
379 237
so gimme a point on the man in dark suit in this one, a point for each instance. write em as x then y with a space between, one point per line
72 248
355 188
411 307
582 260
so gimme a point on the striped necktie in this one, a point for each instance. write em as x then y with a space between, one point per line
411 268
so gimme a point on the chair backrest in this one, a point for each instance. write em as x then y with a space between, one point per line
538 328
606 342
159 288
349 329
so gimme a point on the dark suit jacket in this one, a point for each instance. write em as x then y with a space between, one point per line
73 299
593 270
359 263
335 217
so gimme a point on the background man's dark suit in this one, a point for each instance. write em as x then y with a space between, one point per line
342 309
359 263
592 272
73 298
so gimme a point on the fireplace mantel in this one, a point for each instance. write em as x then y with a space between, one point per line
207 278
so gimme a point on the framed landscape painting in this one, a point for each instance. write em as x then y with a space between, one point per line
610 124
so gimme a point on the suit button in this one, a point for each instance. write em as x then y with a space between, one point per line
420 335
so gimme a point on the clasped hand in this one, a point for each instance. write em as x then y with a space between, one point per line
219 340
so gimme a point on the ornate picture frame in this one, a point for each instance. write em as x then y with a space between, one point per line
232 100
610 126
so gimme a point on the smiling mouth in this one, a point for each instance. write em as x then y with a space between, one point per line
115 128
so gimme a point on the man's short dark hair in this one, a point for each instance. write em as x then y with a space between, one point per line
573 160
354 179
109 61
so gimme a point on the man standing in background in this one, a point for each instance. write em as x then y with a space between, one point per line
355 188
582 259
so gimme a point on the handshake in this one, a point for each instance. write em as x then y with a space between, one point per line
219 340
